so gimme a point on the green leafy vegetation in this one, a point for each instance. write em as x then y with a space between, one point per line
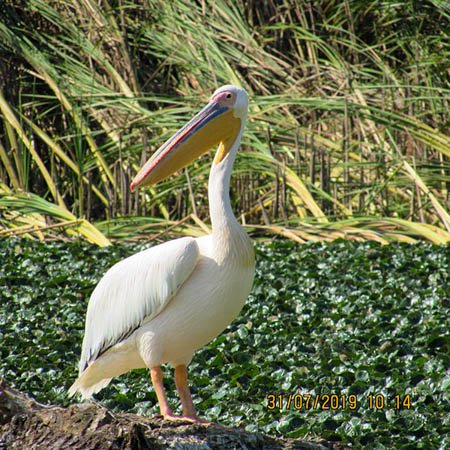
340 319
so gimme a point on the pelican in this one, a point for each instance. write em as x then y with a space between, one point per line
162 304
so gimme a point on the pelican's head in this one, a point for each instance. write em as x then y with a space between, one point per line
219 122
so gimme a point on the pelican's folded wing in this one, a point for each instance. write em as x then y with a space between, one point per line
133 291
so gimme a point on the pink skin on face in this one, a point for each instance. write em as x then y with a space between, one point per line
226 98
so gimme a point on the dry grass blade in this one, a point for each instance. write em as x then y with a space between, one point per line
29 205
440 210
12 120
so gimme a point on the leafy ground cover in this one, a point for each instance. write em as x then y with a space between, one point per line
361 322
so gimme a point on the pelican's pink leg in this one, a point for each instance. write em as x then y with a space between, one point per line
157 379
185 395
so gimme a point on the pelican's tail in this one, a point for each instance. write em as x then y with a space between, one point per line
88 383
99 373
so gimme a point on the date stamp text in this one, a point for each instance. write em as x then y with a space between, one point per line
336 402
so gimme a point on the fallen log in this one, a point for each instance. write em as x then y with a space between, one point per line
26 424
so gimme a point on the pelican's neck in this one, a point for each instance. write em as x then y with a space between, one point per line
232 244
222 218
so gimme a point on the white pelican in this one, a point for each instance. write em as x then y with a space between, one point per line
162 304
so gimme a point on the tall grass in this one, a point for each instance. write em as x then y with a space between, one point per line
347 133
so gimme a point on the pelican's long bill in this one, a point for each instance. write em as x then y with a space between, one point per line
214 124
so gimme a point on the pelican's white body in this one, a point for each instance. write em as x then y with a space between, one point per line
198 312
161 305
